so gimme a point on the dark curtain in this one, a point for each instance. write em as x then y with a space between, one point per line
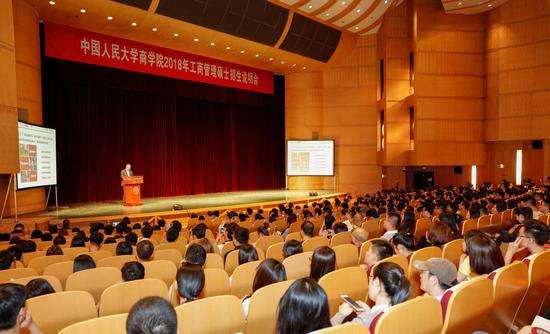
184 137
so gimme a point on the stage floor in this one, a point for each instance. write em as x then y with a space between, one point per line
162 204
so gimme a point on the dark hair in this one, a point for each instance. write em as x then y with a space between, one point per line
96 238
110 240
242 235
190 279
439 234
323 262
12 300
146 231
78 241
307 228
46 237
195 254
54 250
303 308
6 260
292 247
484 253
268 272
152 315
124 248
329 221
38 287
172 234
395 282
36 234
132 238
382 248
132 271
16 252
109 229
537 230
83 262
247 253
395 219
405 239
145 249
59 240
339 227
525 211
52 229
199 231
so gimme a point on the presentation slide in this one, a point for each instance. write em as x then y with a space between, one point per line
37 157
310 157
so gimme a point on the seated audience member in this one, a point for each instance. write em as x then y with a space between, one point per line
540 325
359 236
13 314
7 261
403 244
83 262
206 244
46 237
379 250
268 272
109 229
109 240
388 287
172 234
437 278
36 234
124 248
482 255
247 253
190 282
96 239
303 308
132 238
533 236
28 246
38 287
306 230
263 231
452 221
152 315
339 228
78 241
144 250
16 252
240 236
196 254
146 233
327 230
198 232
132 271
323 262
391 224
59 240
292 247
54 250
438 235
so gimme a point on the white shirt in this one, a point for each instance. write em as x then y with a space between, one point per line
389 234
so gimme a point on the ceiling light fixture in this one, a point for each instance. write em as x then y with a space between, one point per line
195 39
134 24
242 51
303 68
327 14
257 55
359 10
309 7
282 61
154 29
83 10
110 18
176 34
212 43
52 3
343 3
270 59
228 48
293 65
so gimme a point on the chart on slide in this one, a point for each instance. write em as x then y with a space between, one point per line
310 157
37 156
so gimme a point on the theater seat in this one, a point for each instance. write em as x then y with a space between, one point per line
119 298
298 265
264 242
54 281
40 263
423 254
97 255
275 251
232 260
26 257
341 238
421 227
294 236
216 282
420 315
8 274
72 252
213 261
116 261
313 243
171 255
242 279
352 281
452 251
213 315
348 328
162 269
61 270
55 311
262 314
364 248
346 255
178 245
94 281
112 324
400 260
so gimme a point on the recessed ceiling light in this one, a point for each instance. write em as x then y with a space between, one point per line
303 68
386 1
282 61
327 14
212 43
228 48
82 10
134 24
310 6
359 10
257 55
52 3
110 18
293 65
196 39
460 3
343 3
154 29
270 59
490 5
176 34
242 51
356 28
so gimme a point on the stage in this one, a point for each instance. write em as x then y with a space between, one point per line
190 203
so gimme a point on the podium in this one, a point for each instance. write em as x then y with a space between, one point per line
132 190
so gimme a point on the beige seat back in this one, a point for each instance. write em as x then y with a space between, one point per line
116 261
178 245
171 255
54 281
275 251
40 263
346 255
9 274
213 261
96 255
341 238
94 281
312 244
298 265
347 328
420 315
243 277
400 260
196 317
452 251
351 281
413 273
26 257
162 269
262 314
119 298
364 249
55 311
421 227
112 324
216 282
72 252
264 242
294 236
61 270
232 260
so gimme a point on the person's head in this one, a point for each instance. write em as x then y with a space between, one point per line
132 271
110 240
59 240
484 253
523 213
206 244
78 241
144 250
190 281
7 261
199 231
389 282
378 250
83 262
54 250
96 239
172 234
268 272
439 234
436 275
132 238
147 231
392 221
36 234
128 167
534 235
38 287
241 236
16 252
358 236
28 246
339 227
247 253
323 262
292 247
124 248
403 243
152 315
303 308
196 254
46 237
307 230
109 229
12 306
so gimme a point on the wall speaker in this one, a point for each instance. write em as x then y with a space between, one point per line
458 170
537 144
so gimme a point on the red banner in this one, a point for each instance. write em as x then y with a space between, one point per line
88 47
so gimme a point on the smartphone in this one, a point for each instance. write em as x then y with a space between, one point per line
354 305
114 224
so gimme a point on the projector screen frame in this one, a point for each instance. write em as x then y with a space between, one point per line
311 175
16 179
